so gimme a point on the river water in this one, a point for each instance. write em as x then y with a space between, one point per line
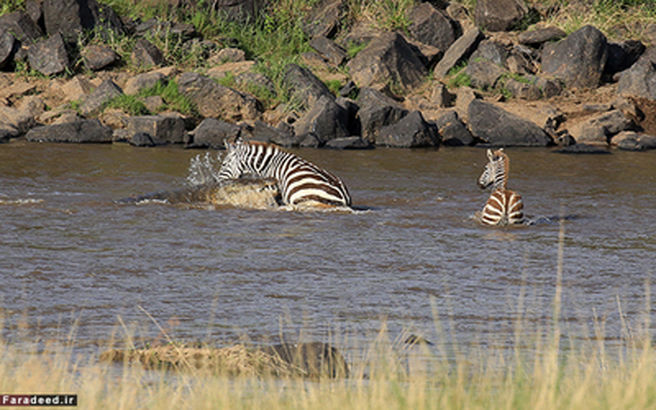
72 258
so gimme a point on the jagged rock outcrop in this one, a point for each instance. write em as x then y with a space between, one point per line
498 127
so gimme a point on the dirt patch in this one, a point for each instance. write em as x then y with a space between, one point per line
646 115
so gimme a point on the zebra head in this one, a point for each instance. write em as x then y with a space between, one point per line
232 165
496 170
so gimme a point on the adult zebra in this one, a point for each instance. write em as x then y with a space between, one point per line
504 207
301 183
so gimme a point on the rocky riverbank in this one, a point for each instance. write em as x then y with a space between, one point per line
446 75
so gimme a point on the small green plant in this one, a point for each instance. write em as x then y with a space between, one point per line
457 77
353 48
228 80
8 6
334 86
173 100
128 103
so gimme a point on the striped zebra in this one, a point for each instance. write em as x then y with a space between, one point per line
300 182
504 207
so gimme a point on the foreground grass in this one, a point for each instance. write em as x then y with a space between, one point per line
385 377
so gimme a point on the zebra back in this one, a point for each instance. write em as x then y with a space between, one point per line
300 181
503 207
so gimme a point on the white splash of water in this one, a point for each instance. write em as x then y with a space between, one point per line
203 169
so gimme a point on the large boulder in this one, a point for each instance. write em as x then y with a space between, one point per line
73 17
49 56
8 46
324 19
217 101
160 129
16 119
484 73
212 133
411 131
460 50
77 131
640 79
329 50
499 15
21 26
601 128
376 111
622 56
452 130
579 60
432 26
305 86
387 60
498 127
327 120
633 141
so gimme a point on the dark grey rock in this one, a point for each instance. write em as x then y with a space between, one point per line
492 51
77 132
351 107
460 50
499 15
141 139
440 96
72 17
633 141
484 73
349 143
431 26
454 133
216 101
411 131
263 132
525 90
21 26
583 149
34 10
8 46
522 61
305 86
329 50
376 111
622 56
212 133
95 102
161 129
498 127
538 36
146 54
601 128
349 89
387 60
549 87
98 57
325 121
640 79
324 19
49 56
579 60
142 81
7 133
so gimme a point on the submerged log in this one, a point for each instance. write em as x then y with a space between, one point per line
244 193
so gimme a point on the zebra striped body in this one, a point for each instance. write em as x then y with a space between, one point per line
300 181
503 207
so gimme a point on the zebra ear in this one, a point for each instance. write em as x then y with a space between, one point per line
490 155
239 140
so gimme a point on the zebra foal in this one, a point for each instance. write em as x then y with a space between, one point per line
301 183
503 207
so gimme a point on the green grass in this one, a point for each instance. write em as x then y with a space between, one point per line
8 6
168 90
457 77
129 104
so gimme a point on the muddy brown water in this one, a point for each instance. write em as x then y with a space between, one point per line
72 257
